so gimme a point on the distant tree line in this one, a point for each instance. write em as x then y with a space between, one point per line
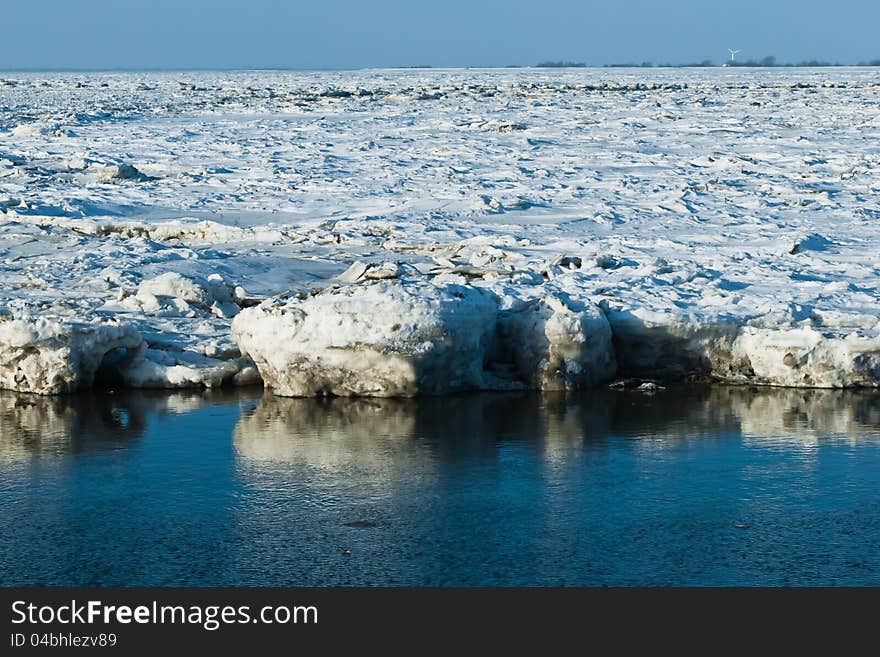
770 61
562 65
766 62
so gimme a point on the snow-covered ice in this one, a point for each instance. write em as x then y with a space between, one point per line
49 356
719 223
385 340
401 338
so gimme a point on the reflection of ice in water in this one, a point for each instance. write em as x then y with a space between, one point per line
31 424
35 425
808 416
337 434
341 433
327 434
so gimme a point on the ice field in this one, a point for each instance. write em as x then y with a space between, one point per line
394 233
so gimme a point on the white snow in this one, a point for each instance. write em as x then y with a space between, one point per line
718 223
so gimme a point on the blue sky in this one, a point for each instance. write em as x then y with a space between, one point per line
353 34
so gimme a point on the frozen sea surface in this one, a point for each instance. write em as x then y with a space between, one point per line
675 200
701 486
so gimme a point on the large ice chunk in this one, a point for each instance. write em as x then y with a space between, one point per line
386 339
47 355
776 350
807 357
403 338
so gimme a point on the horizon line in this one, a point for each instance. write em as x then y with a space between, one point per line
322 69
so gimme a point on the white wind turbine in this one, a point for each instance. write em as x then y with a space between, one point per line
733 54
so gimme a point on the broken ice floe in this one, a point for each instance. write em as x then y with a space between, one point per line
556 343
806 357
360 271
754 351
383 339
51 351
50 356
386 337
404 338
158 368
55 355
173 294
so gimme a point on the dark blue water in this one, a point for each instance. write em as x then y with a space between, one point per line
686 486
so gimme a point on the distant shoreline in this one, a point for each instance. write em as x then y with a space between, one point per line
543 66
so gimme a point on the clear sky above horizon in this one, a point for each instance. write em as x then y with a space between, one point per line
108 34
